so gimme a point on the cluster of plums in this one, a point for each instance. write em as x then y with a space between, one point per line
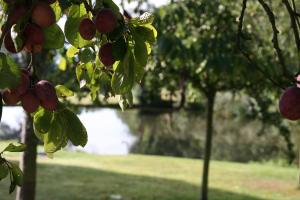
105 22
41 16
31 95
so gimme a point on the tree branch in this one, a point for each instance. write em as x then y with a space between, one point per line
275 41
293 22
245 54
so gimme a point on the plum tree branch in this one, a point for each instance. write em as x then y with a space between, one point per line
293 22
246 54
275 40
88 7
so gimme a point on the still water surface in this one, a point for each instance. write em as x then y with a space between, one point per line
107 133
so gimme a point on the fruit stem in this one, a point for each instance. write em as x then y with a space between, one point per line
30 66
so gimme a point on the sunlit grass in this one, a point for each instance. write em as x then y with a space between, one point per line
72 176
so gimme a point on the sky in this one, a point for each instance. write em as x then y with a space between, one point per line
157 3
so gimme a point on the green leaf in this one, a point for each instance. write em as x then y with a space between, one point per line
15 148
53 139
90 70
57 10
146 18
140 52
119 49
62 65
79 71
124 77
75 130
54 37
17 174
1 106
139 72
148 48
72 51
9 72
38 134
111 4
3 169
126 101
3 6
17 37
12 187
86 55
146 33
76 14
62 91
42 121
117 33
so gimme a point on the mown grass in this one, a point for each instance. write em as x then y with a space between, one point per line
79 176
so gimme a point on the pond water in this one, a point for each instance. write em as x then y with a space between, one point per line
181 134
107 133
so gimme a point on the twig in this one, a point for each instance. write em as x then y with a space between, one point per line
275 41
89 8
293 22
245 54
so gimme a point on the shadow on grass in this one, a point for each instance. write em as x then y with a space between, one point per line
56 182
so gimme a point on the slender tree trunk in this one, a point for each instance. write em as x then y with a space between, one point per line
208 144
28 161
299 168
182 93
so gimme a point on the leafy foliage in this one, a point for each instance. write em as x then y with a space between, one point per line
11 169
32 26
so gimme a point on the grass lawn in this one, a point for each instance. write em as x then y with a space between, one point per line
79 176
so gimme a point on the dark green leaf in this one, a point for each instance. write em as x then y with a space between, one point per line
75 130
12 187
1 106
3 169
9 72
87 55
140 52
124 77
17 174
54 138
146 33
15 148
119 49
117 33
139 72
42 120
54 37
112 5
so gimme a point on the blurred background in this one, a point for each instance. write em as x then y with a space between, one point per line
196 77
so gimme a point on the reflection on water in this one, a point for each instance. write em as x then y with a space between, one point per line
107 133
173 134
13 116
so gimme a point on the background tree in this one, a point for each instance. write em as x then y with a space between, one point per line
196 48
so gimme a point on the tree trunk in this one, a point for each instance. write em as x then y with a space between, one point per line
28 161
208 144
